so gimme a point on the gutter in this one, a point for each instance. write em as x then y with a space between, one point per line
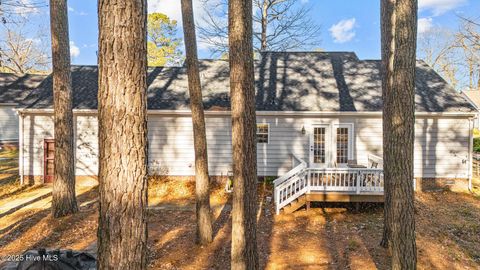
262 113
470 153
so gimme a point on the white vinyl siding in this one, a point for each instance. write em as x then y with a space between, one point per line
8 123
37 128
86 145
441 143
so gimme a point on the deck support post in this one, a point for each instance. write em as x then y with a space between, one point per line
308 205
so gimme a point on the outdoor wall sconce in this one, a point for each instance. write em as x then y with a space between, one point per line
303 130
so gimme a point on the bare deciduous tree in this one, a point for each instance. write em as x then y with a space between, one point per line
63 192
122 116
202 189
437 48
399 33
455 55
278 25
23 51
244 252
468 40
9 9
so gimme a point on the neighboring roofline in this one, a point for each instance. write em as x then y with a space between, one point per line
470 100
260 113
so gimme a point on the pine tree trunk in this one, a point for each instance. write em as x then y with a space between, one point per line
242 93
399 31
63 194
122 115
386 37
264 25
202 190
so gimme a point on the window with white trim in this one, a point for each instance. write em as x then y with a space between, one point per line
262 133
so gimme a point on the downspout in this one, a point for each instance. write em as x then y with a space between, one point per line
470 153
20 146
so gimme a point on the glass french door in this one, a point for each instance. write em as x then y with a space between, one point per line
331 145
342 144
319 138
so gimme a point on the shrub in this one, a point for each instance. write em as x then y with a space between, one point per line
476 144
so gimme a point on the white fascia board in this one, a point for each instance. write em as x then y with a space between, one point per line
313 113
265 113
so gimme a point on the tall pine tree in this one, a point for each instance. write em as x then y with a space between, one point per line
63 193
399 35
122 115
202 190
244 252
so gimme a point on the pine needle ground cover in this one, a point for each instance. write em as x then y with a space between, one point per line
328 236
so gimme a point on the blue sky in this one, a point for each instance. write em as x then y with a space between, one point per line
347 25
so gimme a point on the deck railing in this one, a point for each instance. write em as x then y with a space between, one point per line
351 180
301 180
375 161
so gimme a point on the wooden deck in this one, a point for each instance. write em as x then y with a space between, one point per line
306 199
343 197
303 185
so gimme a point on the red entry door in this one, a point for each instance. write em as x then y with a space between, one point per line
49 158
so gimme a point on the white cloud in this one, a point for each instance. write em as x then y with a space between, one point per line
424 25
172 8
438 7
79 13
34 40
343 31
25 7
74 50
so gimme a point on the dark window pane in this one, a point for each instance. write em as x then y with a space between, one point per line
342 145
262 133
319 145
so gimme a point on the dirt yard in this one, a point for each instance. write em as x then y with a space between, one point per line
332 236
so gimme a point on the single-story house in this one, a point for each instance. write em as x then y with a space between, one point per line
319 117
13 90
474 97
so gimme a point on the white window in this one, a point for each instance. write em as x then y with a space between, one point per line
262 133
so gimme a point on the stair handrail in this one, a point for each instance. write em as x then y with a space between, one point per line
288 179
295 170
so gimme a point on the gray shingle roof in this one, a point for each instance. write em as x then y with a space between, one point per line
14 88
293 81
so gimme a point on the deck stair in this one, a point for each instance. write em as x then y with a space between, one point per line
301 185
295 205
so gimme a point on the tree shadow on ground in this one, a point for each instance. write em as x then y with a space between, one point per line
25 204
39 229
